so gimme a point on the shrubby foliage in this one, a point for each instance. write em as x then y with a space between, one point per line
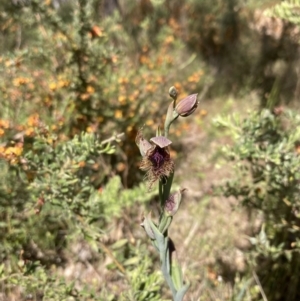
286 10
69 83
265 157
50 202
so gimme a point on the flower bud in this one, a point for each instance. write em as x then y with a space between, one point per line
173 202
187 106
173 92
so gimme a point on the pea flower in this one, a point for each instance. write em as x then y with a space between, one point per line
156 160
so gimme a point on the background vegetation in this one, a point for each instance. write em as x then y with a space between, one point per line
79 78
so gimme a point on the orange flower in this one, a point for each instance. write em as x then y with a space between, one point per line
97 31
4 123
29 132
33 120
20 81
90 89
81 164
62 83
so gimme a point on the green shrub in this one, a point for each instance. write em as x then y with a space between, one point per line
49 202
75 71
265 158
286 10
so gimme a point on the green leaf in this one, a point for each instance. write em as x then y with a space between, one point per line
119 244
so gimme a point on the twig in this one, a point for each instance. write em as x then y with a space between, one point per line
191 234
259 286
113 138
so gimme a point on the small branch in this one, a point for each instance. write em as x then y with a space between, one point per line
113 138
259 286
192 233
110 254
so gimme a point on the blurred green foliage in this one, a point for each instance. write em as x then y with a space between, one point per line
265 158
286 10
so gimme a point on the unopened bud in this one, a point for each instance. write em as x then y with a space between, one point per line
173 92
173 202
187 106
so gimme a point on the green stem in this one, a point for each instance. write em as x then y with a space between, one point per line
160 190
164 254
166 189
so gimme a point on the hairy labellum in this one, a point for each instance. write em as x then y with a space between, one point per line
158 157
158 164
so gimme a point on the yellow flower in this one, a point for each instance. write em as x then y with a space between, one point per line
149 122
62 83
118 114
52 86
13 151
123 81
122 99
29 132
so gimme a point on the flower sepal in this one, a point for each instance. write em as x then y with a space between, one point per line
143 144
173 202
